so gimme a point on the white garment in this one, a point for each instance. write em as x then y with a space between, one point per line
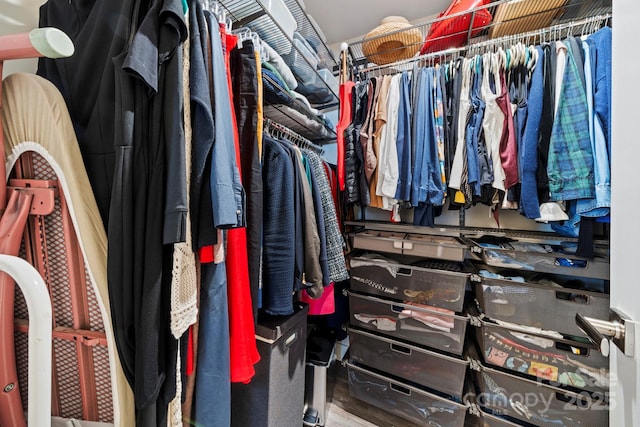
184 281
388 151
553 211
278 63
493 120
465 104
561 51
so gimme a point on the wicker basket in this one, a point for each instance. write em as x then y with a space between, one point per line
522 16
393 40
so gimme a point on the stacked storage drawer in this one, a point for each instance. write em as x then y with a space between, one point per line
408 325
538 366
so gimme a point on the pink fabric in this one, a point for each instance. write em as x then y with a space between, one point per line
434 320
326 304
508 147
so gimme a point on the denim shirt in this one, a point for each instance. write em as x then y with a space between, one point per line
529 202
403 142
598 206
600 43
227 194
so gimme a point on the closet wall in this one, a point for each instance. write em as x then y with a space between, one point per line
625 232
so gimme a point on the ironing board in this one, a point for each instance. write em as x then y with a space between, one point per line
51 220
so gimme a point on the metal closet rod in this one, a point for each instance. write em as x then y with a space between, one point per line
302 142
555 32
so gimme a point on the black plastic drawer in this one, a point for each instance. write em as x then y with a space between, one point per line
546 256
427 368
440 283
405 401
422 245
539 404
559 361
437 328
538 305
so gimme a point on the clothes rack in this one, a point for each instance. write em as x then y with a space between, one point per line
456 29
556 32
276 128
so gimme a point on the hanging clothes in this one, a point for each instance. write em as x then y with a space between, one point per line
494 118
483 175
335 242
508 143
570 166
99 31
279 237
529 202
404 141
312 279
243 350
352 162
379 122
546 121
366 133
388 155
212 394
346 100
361 99
324 303
245 87
597 74
459 178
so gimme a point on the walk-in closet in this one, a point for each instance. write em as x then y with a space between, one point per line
284 213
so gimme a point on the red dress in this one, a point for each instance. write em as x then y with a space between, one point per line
243 349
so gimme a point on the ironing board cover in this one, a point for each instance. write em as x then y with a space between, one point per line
35 120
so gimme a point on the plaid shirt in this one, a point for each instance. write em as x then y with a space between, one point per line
570 164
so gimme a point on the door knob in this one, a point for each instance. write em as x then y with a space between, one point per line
619 328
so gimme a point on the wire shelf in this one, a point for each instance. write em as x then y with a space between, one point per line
456 31
308 125
252 14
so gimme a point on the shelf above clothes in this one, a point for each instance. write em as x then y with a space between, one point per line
295 114
458 30
276 27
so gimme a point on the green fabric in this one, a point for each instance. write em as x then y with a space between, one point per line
274 71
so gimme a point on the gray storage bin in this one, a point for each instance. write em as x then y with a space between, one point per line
432 246
539 404
427 368
275 396
541 306
544 256
387 317
383 241
422 245
560 361
442 284
402 400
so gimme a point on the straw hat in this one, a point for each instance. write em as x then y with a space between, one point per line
401 42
